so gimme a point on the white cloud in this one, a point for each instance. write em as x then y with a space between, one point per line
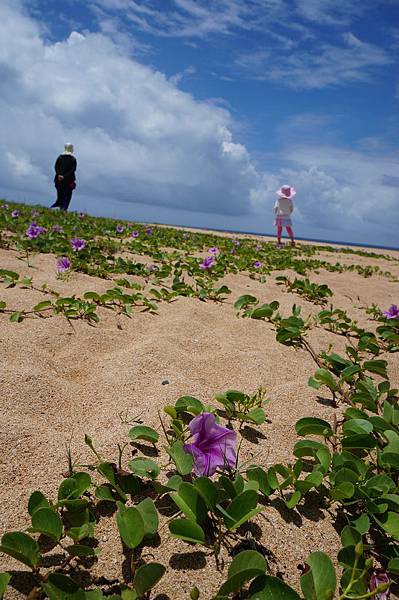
137 137
199 18
324 66
340 191
331 12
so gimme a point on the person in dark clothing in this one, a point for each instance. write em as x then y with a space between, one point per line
64 180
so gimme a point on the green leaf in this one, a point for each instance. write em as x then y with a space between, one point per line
389 523
104 492
83 531
48 522
393 566
92 296
79 550
244 567
107 470
293 500
22 547
320 581
312 480
4 579
131 526
149 515
350 536
342 491
147 576
262 312
362 524
313 426
141 432
187 530
363 441
190 502
144 467
42 305
326 378
266 587
255 473
61 587
376 366
16 316
181 458
189 404
357 426
257 416
207 490
37 500
241 509
244 301
307 448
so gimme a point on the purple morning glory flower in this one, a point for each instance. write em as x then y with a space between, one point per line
4 206
35 213
149 231
63 264
34 231
392 312
236 242
135 234
258 264
77 244
151 268
378 578
207 263
15 214
214 250
82 215
120 229
213 446
57 228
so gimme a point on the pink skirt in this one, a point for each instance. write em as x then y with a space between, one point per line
283 222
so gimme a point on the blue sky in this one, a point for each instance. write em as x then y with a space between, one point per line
196 111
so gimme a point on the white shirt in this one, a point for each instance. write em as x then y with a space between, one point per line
283 207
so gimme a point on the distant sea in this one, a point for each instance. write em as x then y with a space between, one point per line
273 235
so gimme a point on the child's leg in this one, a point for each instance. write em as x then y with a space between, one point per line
290 233
279 232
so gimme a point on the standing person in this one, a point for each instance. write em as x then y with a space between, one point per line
283 209
64 180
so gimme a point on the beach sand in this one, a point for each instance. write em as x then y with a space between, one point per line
60 381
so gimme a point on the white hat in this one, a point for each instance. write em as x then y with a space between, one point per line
286 191
68 148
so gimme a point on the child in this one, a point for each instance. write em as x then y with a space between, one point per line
283 209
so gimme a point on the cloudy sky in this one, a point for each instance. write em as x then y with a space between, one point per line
195 111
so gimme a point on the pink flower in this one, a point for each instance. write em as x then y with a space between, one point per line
377 579
392 312
63 264
214 250
213 446
207 263
77 244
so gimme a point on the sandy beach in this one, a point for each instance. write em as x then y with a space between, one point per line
61 380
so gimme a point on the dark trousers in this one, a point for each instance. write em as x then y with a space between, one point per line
64 195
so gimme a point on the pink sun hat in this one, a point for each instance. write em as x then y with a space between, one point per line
286 191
